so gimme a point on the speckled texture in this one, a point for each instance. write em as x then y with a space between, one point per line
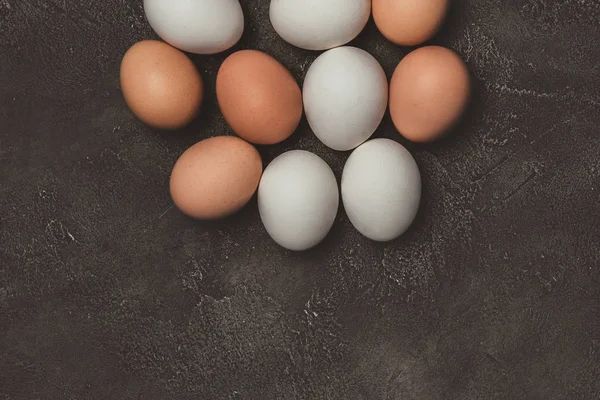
107 292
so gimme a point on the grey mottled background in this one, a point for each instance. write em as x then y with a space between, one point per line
108 292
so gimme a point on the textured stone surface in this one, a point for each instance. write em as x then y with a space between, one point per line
107 292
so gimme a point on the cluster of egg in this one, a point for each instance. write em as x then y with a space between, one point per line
344 97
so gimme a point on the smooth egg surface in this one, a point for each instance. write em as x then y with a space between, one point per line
161 85
319 24
409 22
215 177
381 189
197 26
298 200
258 97
345 96
429 92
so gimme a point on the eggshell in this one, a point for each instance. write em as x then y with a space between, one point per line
259 97
381 189
409 22
429 92
197 26
345 97
298 199
161 85
319 24
215 177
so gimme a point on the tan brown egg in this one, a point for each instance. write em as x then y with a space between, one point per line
215 177
409 22
429 92
259 97
161 85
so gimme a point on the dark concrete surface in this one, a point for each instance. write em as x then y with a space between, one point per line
108 292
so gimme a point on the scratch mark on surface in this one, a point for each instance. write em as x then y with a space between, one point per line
521 186
564 122
444 171
123 159
494 359
502 161
166 211
516 153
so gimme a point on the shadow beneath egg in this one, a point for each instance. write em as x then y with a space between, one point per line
271 151
387 53
448 29
238 220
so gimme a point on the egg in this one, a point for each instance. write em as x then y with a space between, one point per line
381 189
298 199
161 85
198 26
319 24
345 96
215 177
409 22
258 97
429 92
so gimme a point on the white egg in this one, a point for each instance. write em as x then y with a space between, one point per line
197 26
345 97
298 199
381 189
319 24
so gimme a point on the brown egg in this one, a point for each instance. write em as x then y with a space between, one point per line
258 97
215 177
429 92
161 85
409 22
